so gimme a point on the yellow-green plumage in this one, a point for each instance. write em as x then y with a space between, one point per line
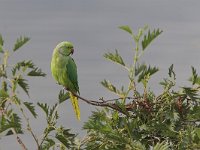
64 71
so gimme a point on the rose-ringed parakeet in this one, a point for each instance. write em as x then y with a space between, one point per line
64 71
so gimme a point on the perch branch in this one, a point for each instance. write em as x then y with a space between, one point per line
105 103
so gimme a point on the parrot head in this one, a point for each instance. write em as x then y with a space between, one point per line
65 48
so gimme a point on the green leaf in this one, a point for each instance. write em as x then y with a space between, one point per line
190 92
197 130
1 44
63 140
23 65
44 107
23 84
171 72
108 85
48 143
1 40
161 146
3 95
195 79
1 49
53 112
14 121
63 96
31 108
36 72
20 42
139 68
150 37
115 57
127 29
147 72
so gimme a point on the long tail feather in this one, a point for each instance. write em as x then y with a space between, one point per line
74 101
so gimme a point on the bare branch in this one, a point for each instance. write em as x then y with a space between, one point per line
19 140
106 103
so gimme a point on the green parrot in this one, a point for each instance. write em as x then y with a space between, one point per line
64 71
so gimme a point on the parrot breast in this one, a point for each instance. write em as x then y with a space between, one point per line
59 70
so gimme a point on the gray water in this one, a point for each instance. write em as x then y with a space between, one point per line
93 28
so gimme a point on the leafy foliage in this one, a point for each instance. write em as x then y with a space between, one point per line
108 85
1 40
127 29
150 37
23 66
10 122
1 44
31 108
115 58
143 120
12 108
20 42
59 133
161 146
146 72
63 96
22 83
167 121
195 79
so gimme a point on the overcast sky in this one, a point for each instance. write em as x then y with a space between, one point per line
93 28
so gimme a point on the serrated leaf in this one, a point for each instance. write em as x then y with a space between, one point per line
108 85
195 79
1 49
161 146
66 133
63 96
147 72
48 143
53 111
191 93
3 94
150 37
20 42
139 68
171 72
127 29
36 72
115 57
14 122
1 40
44 107
31 108
63 140
23 84
23 65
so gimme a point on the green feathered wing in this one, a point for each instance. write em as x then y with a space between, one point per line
72 75
64 71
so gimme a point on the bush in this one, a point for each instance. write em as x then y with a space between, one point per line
143 120
132 120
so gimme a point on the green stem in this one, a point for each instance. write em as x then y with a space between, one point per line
27 121
129 132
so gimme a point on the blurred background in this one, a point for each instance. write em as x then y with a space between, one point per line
93 28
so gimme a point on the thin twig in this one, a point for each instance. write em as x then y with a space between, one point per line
19 139
28 125
115 99
103 103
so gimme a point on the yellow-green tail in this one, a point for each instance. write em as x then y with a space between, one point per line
75 105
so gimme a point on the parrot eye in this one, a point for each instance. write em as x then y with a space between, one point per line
69 47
